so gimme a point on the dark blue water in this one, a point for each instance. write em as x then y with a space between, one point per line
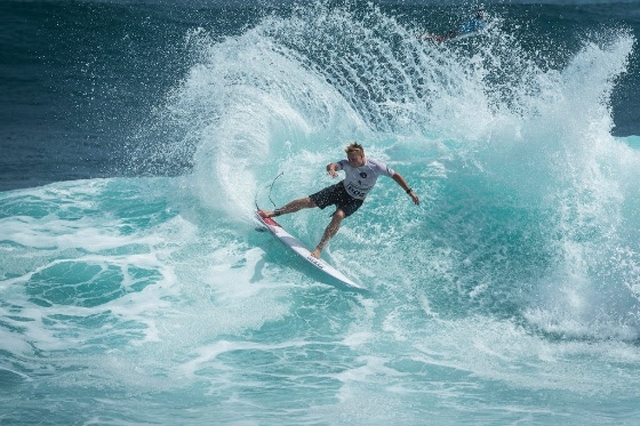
80 80
136 138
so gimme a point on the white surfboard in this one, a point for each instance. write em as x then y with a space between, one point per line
294 244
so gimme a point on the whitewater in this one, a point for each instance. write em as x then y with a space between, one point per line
509 296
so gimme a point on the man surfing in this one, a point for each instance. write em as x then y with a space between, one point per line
361 174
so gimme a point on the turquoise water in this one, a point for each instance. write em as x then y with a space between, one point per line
509 296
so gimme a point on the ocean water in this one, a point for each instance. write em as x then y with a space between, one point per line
136 138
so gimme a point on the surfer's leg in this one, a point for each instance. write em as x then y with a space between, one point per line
331 230
292 207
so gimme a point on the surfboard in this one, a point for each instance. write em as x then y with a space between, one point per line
455 36
298 248
438 39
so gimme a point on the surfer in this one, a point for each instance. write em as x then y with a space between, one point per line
361 174
475 25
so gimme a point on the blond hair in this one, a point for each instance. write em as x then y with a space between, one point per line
354 147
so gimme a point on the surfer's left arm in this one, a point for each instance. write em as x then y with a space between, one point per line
404 185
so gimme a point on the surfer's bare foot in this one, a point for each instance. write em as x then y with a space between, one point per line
316 253
267 213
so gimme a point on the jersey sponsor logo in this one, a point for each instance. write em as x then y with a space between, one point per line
357 192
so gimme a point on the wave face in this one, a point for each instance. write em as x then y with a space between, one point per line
511 294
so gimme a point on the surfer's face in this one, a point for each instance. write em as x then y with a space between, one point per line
356 159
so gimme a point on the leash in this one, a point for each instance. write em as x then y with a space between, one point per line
270 186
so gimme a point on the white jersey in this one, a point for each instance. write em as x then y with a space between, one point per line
358 182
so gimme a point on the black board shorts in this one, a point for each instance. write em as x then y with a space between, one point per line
338 196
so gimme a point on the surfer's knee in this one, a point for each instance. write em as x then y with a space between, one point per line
339 214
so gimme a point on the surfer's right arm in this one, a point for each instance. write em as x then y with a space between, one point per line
332 169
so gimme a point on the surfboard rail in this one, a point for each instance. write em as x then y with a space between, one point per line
297 247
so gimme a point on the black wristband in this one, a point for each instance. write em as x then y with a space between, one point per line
409 191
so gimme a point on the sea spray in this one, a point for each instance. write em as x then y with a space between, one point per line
521 170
